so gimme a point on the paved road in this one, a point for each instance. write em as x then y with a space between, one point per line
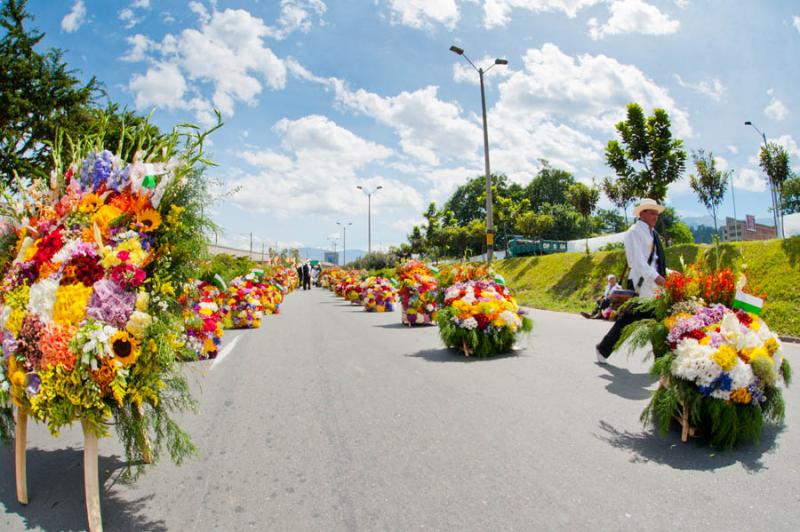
330 418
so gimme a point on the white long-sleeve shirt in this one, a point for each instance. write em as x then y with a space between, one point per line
638 244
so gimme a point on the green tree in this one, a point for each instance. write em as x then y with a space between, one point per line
38 95
673 229
791 196
608 221
584 200
774 161
416 240
648 160
567 223
710 183
549 186
468 201
618 194
533 224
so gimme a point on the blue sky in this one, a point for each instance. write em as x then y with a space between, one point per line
320 96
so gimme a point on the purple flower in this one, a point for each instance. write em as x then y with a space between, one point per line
33 383
96 169
111 303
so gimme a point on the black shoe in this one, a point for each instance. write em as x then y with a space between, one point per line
587 315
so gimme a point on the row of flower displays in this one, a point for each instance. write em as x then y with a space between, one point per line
721 368
475 314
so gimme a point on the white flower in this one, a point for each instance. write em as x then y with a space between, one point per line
43 299
741 375
469 324
510 319
66 252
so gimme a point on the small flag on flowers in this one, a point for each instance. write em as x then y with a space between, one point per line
748 303
499 279
219 282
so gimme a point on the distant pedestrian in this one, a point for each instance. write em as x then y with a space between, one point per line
306 276
647 264
605 301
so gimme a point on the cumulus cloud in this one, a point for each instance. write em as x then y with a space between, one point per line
498 12
591 91
776 109
423 14
316 171
749 180
132 14
225 56
296 15
633 16
796 22
712 88
76 18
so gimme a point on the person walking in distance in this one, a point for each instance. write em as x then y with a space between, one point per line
306 276
647 269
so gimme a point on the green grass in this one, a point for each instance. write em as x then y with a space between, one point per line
573 281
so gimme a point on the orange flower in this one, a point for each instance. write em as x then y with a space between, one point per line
54 344
128 202
103 376
90 203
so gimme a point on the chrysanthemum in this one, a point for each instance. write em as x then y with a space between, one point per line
148 220
125 348
90 203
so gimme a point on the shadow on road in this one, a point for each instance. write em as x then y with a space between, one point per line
397 325
451 355
692 455
56 494
626 384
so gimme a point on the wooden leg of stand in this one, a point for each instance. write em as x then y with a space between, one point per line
684 422
20 459
147 453
91 481
467 350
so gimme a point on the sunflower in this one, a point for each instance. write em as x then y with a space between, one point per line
90 203
148 220
125 347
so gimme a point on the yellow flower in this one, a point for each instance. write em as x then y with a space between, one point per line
755 325
30 251
167 289
71 301
741 395
174 215
90 203
760 352
705 340
142 301
104 216
125 348
138 323
725 357
771 345
148 219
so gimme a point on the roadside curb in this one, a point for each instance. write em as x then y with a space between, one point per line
790 339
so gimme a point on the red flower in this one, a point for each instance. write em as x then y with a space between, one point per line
744 318
483 321
123 255
84 269
48 246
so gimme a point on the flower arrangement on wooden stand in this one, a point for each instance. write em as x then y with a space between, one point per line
481 318
417 293
720 368
89 317
380 294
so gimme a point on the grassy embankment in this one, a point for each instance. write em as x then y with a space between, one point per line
572 281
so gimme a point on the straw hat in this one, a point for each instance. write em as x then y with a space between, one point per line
647 204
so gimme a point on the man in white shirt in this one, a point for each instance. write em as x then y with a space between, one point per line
647 264
604 301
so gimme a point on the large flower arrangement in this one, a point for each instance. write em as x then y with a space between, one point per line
242 307
721 369
203 318
380 294
417 293
481 318
88 312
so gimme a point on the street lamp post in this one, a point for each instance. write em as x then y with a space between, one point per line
344 240
772 190
369 194
489 214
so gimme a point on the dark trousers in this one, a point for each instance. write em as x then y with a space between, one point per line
624 319
306 282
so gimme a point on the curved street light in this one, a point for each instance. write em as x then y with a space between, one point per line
369 194
489 215
344 240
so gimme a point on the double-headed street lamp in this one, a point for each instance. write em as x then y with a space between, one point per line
344 240
369 194
489 214
772 189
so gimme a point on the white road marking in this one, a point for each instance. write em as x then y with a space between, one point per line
225 351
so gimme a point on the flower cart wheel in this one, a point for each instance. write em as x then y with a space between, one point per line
19 458
91 480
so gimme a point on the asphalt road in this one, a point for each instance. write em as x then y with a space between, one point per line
330 418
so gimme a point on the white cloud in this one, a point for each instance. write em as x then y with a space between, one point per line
776 109
131 15
733 149
789 145
141 4
712 88
316 171
226 55
421 14
76 18
407 224
633 16
589 91
796 22
497 12
139 46
296 15
162 86
749 180
464 73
